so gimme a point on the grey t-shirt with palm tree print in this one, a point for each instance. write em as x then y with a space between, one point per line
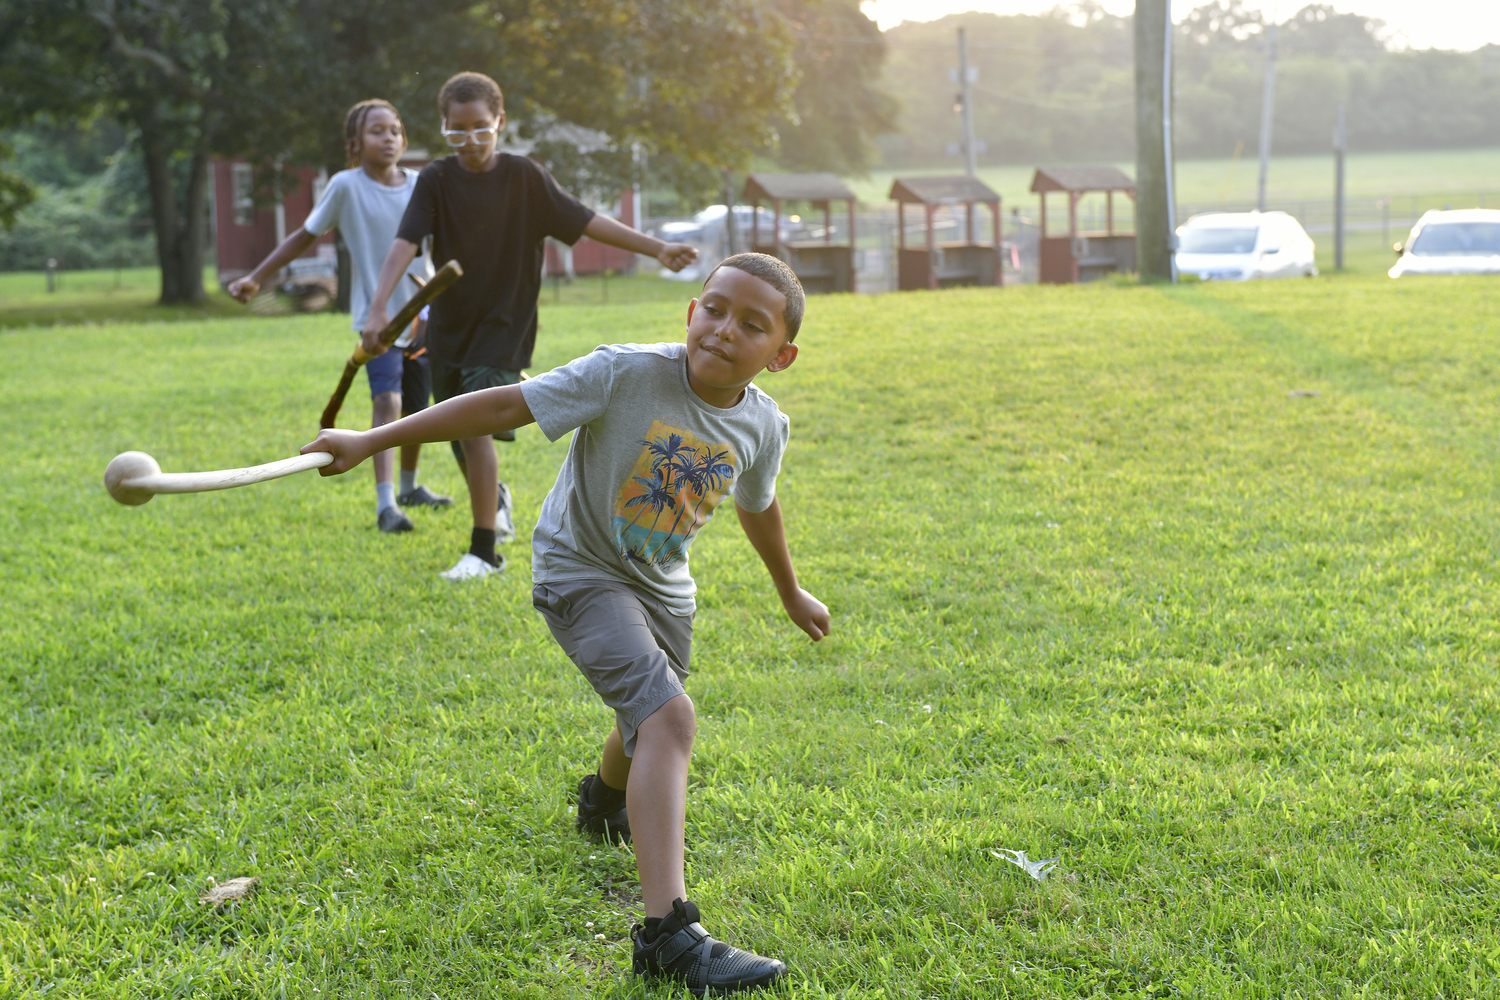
647 467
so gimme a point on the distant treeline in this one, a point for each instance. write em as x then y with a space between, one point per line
1058 87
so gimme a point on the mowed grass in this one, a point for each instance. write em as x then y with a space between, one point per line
1103 591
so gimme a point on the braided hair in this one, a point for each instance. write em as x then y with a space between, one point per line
354 127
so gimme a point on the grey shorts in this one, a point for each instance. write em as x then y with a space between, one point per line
629 647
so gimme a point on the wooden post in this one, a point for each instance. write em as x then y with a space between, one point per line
1073 232
900 225
853 252
776 228
999 246
969 222
1109 213
827 222
1043 231
755 224
932 281
1152 230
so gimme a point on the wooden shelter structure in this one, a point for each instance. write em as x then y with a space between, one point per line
1083 256
821 265
945 265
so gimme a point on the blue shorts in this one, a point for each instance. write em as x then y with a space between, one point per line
385 372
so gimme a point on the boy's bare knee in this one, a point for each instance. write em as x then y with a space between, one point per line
675 721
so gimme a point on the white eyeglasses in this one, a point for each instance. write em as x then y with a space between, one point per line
459 137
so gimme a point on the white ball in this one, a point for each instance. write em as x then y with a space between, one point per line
124 471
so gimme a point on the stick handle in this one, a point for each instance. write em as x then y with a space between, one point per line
203 482
336 401
447 275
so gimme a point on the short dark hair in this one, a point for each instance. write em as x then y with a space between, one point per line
774 272
462 88
354 127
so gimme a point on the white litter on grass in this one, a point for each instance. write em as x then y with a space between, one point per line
1036 869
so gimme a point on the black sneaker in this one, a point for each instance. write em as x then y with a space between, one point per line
681 950
601 811
421 496
391 520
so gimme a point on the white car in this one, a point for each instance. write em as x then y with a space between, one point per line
1464 241
1240 246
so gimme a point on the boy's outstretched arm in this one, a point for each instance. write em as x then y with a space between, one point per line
767 534
674 256
474 414
291 248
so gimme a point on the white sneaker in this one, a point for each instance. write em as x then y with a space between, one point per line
505 525
471 567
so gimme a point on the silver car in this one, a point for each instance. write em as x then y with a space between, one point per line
1463 241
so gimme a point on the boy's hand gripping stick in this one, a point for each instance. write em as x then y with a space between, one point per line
447 275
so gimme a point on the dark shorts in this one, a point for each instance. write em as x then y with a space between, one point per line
384 373
628 646
452 380
416 384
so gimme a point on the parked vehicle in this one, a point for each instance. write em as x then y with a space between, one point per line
1462 241
706 232
1241 246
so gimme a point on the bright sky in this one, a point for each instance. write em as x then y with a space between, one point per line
1441 24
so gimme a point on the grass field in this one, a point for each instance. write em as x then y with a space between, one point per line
1104 590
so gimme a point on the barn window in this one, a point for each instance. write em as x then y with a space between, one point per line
242 180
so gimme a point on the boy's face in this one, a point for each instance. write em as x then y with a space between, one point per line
467 117
735 330
383 140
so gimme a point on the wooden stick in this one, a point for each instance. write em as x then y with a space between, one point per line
133 477
447 275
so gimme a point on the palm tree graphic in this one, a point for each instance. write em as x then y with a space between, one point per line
686 473
705 471
658 497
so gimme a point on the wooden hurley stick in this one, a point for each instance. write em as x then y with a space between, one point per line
447 275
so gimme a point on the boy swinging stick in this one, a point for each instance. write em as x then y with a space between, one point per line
661 435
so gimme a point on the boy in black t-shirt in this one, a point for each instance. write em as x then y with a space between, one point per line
489 211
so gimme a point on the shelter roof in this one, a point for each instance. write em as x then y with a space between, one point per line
797 187
953 189
1081 179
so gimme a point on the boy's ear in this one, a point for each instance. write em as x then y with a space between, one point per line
693 305
783 359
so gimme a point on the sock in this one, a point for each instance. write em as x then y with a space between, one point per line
482 544
385 496
607 795
408 480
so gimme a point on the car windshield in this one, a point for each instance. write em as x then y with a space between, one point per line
1205 239
1453 239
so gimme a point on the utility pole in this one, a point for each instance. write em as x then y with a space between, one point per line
971 164
1267 107
729 217
1339 146
1153 209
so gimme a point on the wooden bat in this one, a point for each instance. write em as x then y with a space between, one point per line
447 275
133 477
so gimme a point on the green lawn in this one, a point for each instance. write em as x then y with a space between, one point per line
1104 589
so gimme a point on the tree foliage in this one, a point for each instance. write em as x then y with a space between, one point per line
1059 86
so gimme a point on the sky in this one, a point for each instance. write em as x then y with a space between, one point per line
1420 24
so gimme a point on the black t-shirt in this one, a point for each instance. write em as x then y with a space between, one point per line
492 224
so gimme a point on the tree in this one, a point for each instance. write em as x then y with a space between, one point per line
839 105
699 83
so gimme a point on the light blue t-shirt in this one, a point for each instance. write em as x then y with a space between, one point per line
368 213
647 467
